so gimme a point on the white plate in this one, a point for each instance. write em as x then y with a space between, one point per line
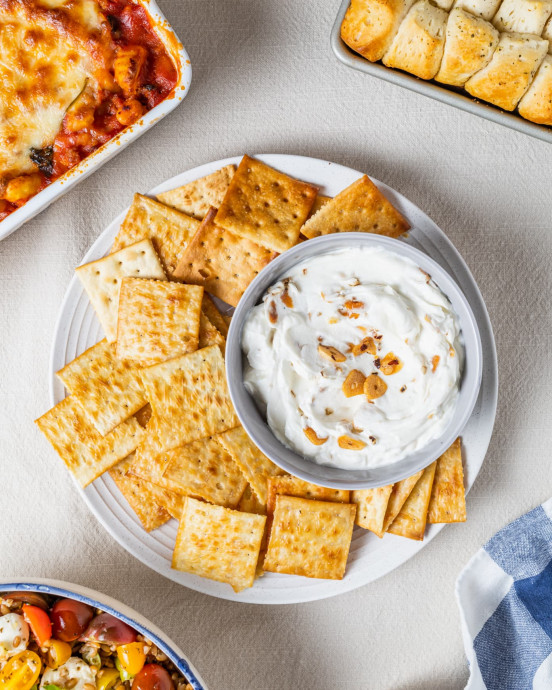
95 160
77 329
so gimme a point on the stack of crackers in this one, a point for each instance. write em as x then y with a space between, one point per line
150 405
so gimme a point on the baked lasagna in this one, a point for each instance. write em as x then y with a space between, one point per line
73 74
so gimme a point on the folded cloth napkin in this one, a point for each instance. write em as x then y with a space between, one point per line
505 600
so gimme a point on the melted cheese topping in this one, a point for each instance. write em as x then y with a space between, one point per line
49 51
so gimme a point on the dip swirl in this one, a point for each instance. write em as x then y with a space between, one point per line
355 358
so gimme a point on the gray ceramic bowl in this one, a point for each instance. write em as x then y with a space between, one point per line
254 422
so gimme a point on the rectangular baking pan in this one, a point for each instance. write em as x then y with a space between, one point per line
86 167
440 92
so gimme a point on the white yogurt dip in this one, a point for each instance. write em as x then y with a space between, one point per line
371 312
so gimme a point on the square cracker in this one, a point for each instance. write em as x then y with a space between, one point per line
310 538
157 321
399 494
208 334
196 197
205 470
210 310
448 497
108 389
371 508
265 205
189 398
224 263
255 466
142 496
168 229
218 543
249 503
102 279
412 518
361 207
293 486
84 451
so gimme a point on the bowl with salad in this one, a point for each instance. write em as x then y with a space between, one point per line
57 636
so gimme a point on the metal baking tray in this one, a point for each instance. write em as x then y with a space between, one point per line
96 159
440 92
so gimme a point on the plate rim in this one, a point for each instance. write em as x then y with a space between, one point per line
319 589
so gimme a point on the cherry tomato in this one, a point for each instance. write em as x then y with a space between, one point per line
109 630
153 677
70 619
39 622
32 598
131 657
21 672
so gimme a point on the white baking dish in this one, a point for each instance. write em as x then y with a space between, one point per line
121 140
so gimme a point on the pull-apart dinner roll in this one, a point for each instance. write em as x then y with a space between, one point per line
523 16
508 75
536 105
370 25
486 9
547 34
418 45
469 46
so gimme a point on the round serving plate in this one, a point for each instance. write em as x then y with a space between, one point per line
77 329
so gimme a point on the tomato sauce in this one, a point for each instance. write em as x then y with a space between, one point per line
156 78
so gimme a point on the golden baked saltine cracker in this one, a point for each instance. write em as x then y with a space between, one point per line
189 397
255 466
218 543
141 497
102 279
208 334
205 470
310 538
371 507
265 205
86 453
319 202
249 502
222 262
288 485
108 389
448 496
361 207
158 320
399 494
369 26
511 70
210 310
412 517
168 229
196 197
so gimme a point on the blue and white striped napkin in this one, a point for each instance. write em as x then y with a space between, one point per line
505 599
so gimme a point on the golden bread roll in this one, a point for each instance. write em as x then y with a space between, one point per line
469 46
547 34
370 25
486 9
536 105
418 45
523 16
508 75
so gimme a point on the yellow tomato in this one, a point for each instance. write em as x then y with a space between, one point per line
21 672
107 679
58 653
131 657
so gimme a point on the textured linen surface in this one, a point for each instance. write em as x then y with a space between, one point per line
265 80
505 606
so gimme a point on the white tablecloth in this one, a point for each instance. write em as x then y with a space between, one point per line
265 80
